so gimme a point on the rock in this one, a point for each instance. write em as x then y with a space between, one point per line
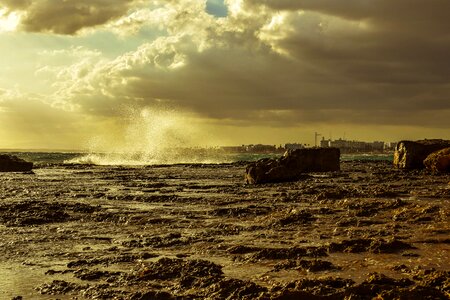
410 155
315 265
438 161
11 163
292 165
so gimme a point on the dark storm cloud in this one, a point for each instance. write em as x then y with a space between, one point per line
66 17
355 62
422 15
15 4
374 54
404 40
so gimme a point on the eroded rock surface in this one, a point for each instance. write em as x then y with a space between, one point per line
438 161
196 232
411 154
293 164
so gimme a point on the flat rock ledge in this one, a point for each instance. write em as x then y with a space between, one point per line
293 165
410 155
11 163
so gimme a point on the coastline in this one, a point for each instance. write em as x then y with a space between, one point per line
165 158
91 231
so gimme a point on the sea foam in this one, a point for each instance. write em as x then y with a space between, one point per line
152 136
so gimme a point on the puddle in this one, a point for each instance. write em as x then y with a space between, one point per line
18 280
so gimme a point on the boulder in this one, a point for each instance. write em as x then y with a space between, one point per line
410 155
438 161
11 163
292 165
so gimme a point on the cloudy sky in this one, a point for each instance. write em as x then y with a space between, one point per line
219 72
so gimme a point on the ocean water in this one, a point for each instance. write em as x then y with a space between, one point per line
368 156
196 156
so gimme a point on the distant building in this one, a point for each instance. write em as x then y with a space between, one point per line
378 146
342 144
259 148
353 146
234 149
325 143
390 146
293 146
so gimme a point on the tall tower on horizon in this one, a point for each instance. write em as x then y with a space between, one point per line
316 135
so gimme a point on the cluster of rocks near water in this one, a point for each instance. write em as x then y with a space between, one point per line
294 164
11 163
197 232
431 154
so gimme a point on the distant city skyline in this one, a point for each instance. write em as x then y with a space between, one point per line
307 142
338 143
135 74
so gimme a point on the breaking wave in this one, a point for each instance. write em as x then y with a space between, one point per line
152 136
137 159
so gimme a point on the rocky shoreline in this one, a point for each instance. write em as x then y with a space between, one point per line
198 232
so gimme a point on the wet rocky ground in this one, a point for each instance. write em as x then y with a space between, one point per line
198 232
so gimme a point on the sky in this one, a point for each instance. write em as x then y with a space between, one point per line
107 73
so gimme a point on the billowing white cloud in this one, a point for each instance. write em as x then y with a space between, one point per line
267 63
258 61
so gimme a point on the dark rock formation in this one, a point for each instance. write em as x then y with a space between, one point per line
11 163
410 155
293 164
438 161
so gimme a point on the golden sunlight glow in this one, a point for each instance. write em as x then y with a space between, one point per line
8 21
274 31
276 22
256 71
234 6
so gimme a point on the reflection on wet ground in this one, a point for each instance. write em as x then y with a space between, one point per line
196 231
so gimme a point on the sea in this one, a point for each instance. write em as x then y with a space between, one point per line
186 157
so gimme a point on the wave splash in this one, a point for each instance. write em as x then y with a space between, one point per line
149 137
181 156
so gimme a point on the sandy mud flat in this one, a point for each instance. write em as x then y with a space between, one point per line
198 232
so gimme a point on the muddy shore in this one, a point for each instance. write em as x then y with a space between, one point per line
198 232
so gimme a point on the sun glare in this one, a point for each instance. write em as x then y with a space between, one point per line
234 6
8 21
